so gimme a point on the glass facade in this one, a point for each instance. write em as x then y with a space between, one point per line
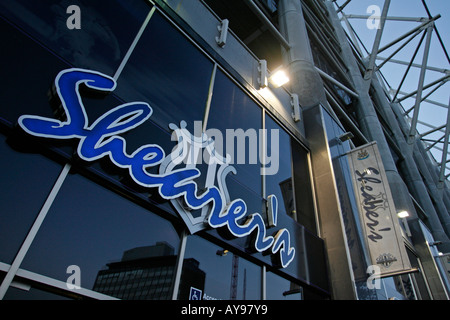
98 233
189 178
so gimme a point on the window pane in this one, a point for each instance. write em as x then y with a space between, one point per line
25 181
168 72
280 183
16 79
107 29
93 228
304 202
279 288
232 110
214 273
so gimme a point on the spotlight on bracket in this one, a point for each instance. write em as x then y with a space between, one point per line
262 74
279 77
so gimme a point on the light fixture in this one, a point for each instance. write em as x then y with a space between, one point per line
278 78
403 214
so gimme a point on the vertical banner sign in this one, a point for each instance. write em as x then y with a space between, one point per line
381 227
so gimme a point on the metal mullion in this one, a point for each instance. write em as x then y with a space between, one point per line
263 283
134 43
179 265
209 99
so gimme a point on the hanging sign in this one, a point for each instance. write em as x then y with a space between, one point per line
377 211
100 138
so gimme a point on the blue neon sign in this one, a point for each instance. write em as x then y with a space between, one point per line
100 139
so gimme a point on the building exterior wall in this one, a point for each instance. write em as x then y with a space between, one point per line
80 221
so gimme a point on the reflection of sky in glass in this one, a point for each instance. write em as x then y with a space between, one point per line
276 286
102 41
168 72
218 269
90 226
275 184
231 108
25 181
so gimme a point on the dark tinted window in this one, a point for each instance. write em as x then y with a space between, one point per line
100 232
25 85
279 288
304 202
107 29
217 273
168 72
25 181
239 119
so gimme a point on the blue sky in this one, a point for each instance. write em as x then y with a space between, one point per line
429 113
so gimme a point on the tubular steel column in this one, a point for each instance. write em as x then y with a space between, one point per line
412 131
376 44
307 83
367 116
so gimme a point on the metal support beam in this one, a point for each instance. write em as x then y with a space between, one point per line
412 131
441 70
431 131
337 83
252 5
444 152
435 143
365 17
443 79
343 6
376 44
420 27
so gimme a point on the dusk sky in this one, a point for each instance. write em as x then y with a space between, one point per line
429 113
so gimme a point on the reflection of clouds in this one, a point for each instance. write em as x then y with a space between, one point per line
174 102
79 45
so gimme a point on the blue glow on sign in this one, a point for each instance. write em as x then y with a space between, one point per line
100 139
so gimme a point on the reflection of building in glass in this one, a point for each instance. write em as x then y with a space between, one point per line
146 273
